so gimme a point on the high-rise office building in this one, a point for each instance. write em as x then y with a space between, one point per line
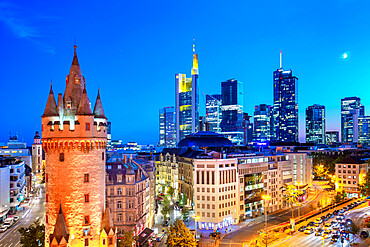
364 130
187 101
285 112
213 112
167 127
232 110
247 128
351 110
315 124
262 122
332 137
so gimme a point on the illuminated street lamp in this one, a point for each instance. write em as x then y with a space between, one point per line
266 198
197 217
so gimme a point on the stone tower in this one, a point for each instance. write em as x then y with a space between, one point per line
37 154
74 139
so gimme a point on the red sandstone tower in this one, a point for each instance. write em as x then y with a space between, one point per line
74 139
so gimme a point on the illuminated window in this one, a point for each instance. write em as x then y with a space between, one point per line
86 178
119 217
119 191
61 157
87 219
119 178
103 241
110 240
87 126
86 197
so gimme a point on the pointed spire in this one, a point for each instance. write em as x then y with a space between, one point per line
60 229
107 222
281 60
98 109
193 46
194 70
51 107
85 106
75 59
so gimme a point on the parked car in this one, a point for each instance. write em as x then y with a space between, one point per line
329 215
311 223
319 232
327 226
326 233
6 224
215 235
364 234
302 228
336 212
335 238
15 218
308 230
318 220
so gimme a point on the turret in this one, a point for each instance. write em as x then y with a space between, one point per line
60 236
98 109
51 107
85 106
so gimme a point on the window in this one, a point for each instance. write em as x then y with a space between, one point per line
87 219
47 198
87 126
61 157
86 197
46 177
119 217
349 166
119 191
198 189
103 241
119 204
110 240
119 178
102 156
86 242
46 218
86 178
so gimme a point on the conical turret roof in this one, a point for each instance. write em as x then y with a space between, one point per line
51 107
107 222
98 109
85 106
60 229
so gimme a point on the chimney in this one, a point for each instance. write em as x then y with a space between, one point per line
125 159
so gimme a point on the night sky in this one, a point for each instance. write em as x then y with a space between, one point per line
131 50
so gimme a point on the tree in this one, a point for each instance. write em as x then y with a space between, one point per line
165 210
184 199
33 235
171 191
126 239
185 214
180 235
364 186
338 197
353 229
292 195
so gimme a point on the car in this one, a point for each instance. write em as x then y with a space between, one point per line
311 223
308 230
329 215
326 233
333 223
345 208
215 234
336 212
323 218
316 225
319 232
364 234
318 220
3 228
348 221
334 238
6 224
341 214
302 228
15 218
327 226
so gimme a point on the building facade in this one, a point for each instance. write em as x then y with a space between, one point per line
351 110
364 130
247 128
331 137
74 139
285 112
262 123
187 101
4 191
37 154
232 110
315 124
213 112
167 127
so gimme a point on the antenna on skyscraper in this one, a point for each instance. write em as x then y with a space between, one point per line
193 45
281 60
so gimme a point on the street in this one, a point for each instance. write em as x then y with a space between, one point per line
35 210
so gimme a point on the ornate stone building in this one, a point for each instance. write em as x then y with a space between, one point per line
74 139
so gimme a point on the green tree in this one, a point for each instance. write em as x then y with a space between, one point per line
185 214
180 198
126 239
33 235
180 236
353 229
291 195
364 186
184 199
171 191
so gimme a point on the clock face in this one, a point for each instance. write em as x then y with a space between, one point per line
77 81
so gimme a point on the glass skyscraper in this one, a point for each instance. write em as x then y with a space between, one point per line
351 110
262 120
364 130
232 110
187 102
213 112
285 112
332 137
167 128
315 124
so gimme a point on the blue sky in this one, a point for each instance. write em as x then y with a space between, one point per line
131 50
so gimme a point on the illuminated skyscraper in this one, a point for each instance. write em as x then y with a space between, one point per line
364 130
232 110
332 137
167 128
315 124
187 101
285 112
213 112
351 110
262 120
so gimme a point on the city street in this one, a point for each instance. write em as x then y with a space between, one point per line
310 240
252 228
35 210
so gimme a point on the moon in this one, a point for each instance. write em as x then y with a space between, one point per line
345 55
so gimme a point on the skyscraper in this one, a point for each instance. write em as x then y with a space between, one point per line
232 110
364 130
187 101
213 112
74 139
315 124
262 122
285 112
351 109
247 128
332 137
167 128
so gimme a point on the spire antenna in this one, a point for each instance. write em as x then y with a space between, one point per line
281 60
193 45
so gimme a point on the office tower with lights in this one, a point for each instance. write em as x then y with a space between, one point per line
285 112
213 112
351 110
247 128
364 130
167 127
232 110
315 124
187 101
331 137
262 120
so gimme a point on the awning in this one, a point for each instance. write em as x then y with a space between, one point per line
145 235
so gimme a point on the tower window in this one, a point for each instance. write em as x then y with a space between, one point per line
46 198
102 156
61 157
87 219
87 126
46 218
103 241
87 198
86 178
86 242
46 177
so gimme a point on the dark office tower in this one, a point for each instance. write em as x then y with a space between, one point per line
262 126
247 128
203 125
187 101
285 112
213 112
351 110
232 110
109 135
315 124
167 128
332 137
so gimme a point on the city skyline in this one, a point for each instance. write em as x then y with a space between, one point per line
39 42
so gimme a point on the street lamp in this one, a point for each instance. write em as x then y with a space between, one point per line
266 198
197 217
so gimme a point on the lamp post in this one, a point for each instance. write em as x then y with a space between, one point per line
266 198
197 217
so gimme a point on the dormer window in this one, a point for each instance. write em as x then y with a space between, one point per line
69 105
